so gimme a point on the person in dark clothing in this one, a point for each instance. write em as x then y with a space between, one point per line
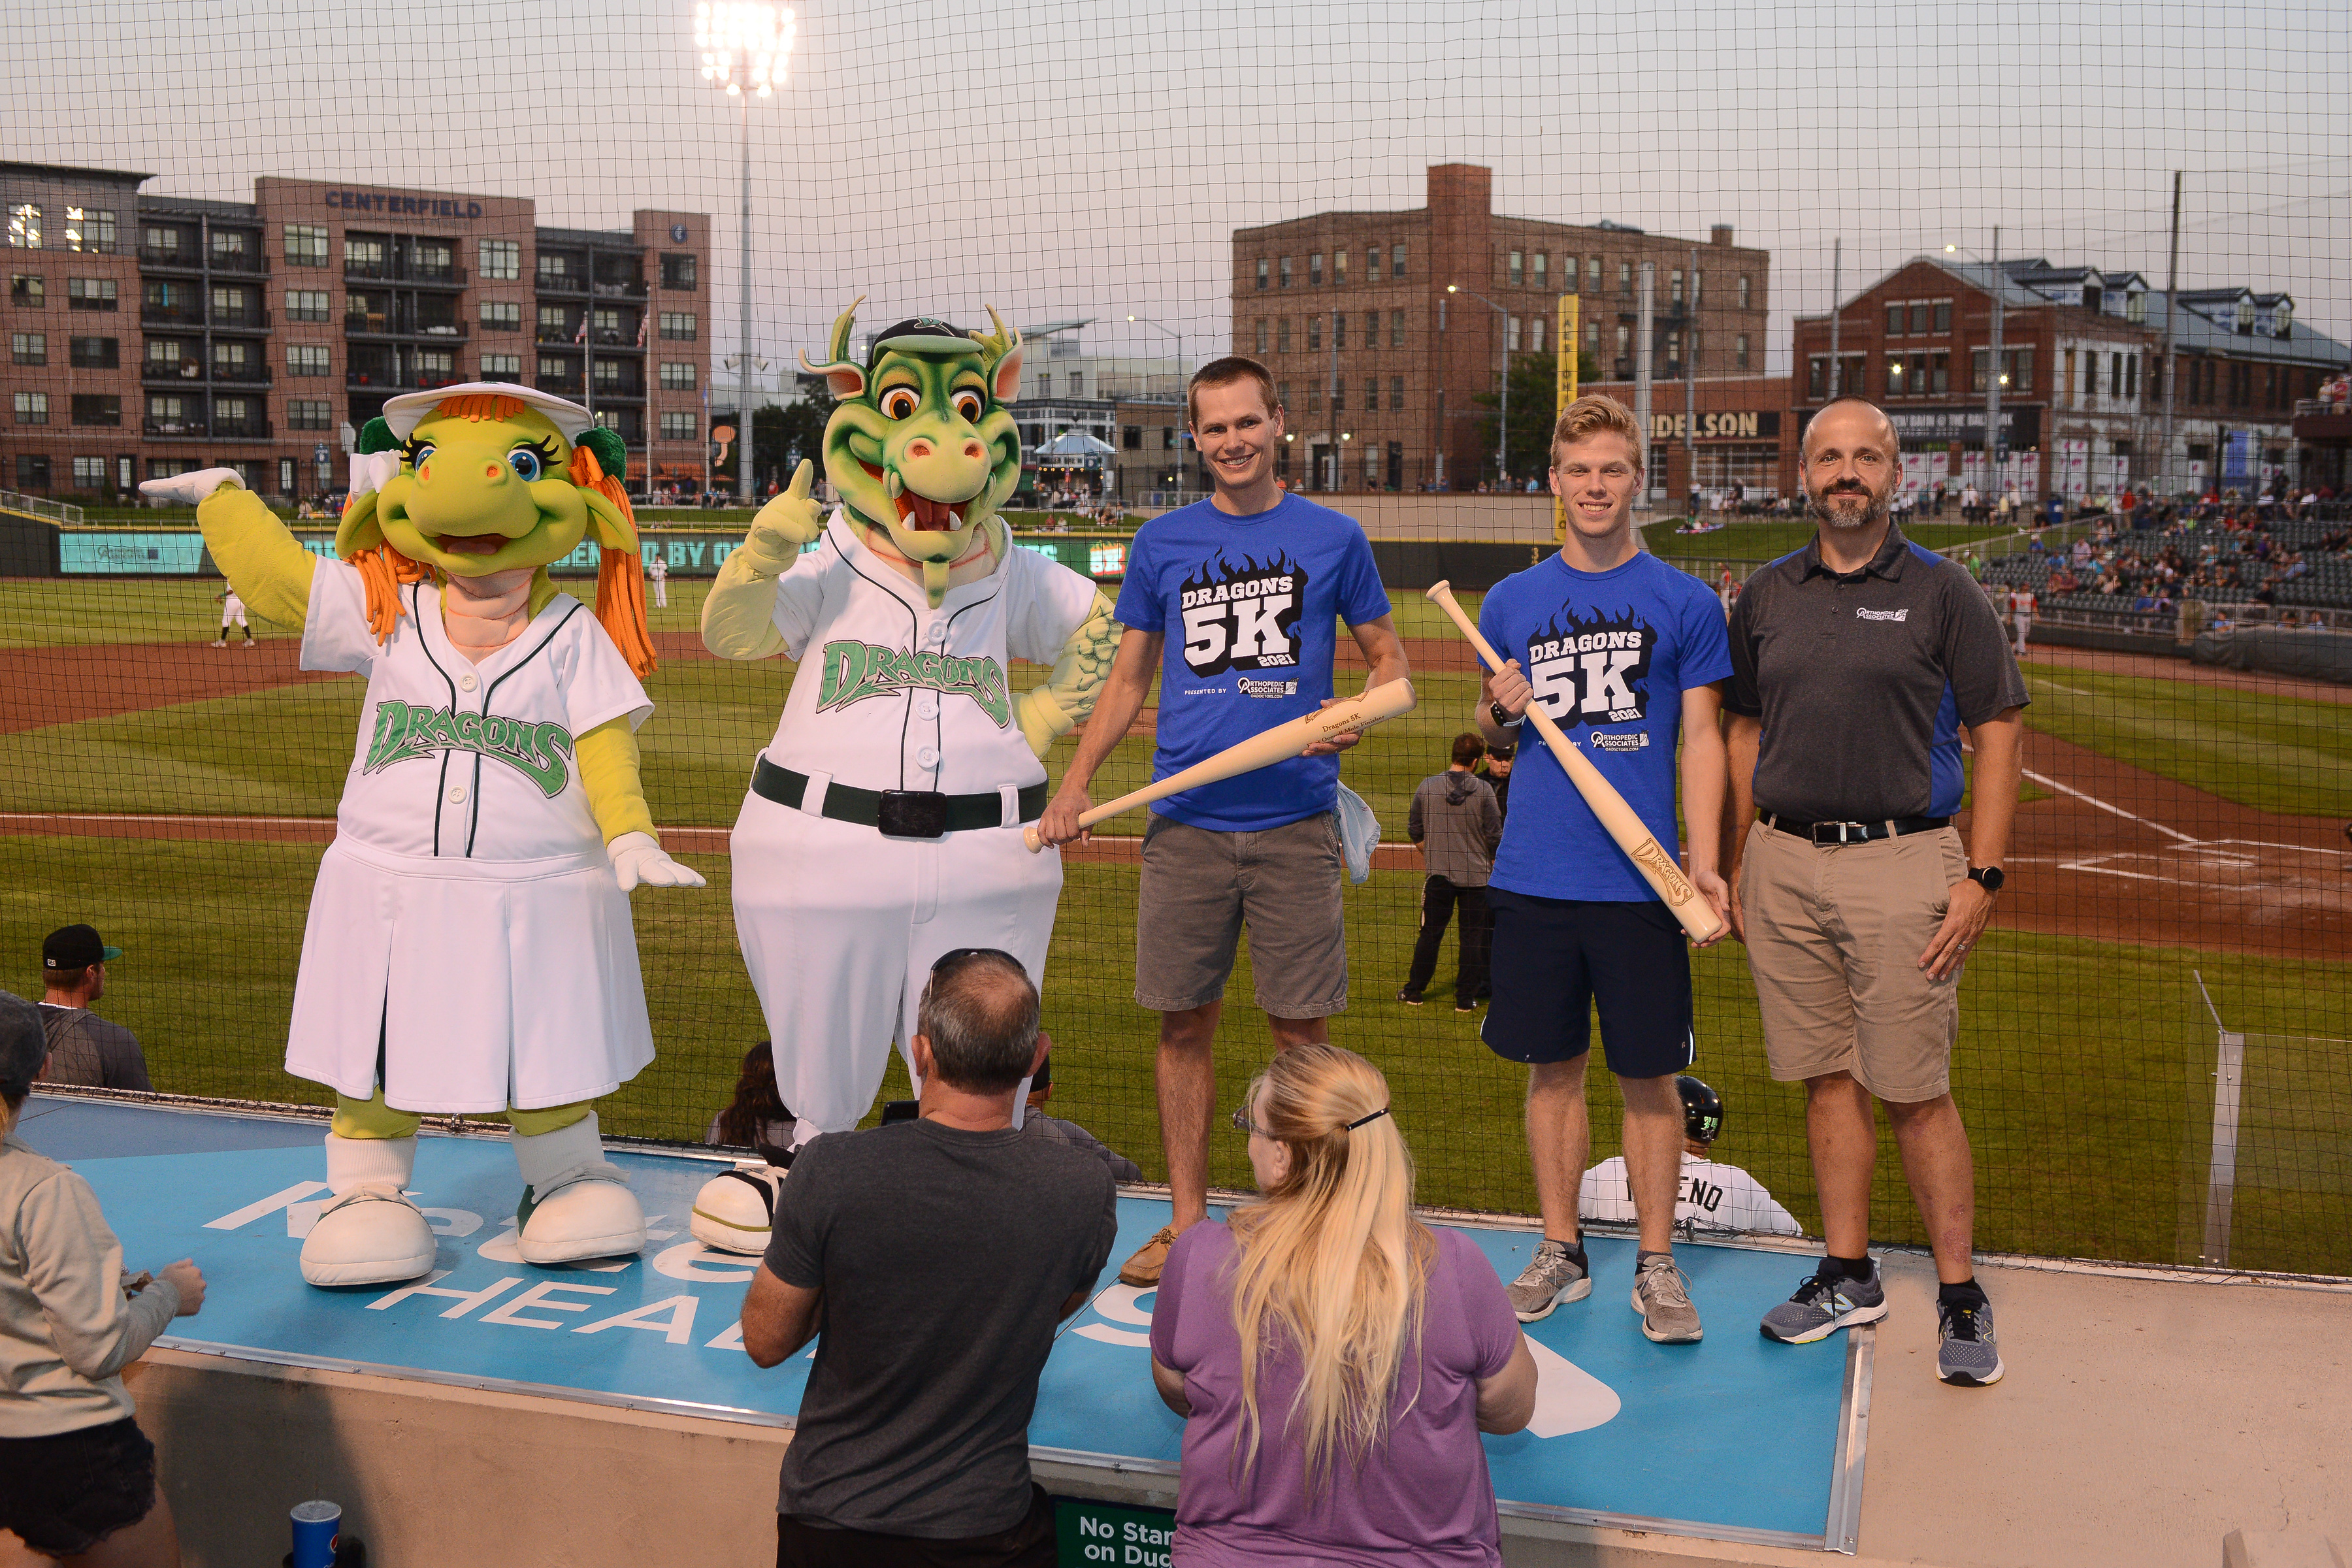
84 1049
1498 774
1035 1123
1456 825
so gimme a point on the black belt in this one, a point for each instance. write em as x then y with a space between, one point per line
1832 833
898 813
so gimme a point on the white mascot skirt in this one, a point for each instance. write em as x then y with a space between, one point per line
489 983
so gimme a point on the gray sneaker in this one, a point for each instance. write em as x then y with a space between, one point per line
1550 1278
1824 1305
1970 1356
1662 1295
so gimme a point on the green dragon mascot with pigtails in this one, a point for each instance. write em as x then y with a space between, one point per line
883 826
469 948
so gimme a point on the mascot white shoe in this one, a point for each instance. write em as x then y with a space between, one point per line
575 1202
371 1234
735 1209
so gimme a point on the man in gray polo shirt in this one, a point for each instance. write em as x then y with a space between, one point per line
1856 664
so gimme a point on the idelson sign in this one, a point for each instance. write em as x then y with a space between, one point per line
1727 425
393 203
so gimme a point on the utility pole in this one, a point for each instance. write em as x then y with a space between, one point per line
1690 376
2171 282
1332 404
743 312
1642 333
1837 365
1996 450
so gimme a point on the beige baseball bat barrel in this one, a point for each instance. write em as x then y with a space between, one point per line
1262 750
1657 866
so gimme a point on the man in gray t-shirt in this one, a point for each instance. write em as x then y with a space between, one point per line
84 1049
1455 822
915 1423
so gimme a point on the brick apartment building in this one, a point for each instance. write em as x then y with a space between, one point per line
152 334
2081 400
1379 365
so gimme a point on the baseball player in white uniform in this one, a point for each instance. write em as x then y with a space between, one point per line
232 609
658 575
1712 1196
883 826
470 947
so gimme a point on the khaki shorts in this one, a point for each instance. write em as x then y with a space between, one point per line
1834 936
1200 886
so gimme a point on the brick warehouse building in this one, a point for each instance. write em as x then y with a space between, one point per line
1362 297
2081 404
152 335
1745 439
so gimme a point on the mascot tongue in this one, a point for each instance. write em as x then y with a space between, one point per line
925 514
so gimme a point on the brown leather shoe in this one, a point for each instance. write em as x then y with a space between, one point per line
1144 1268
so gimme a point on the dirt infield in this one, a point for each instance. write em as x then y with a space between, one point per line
43 686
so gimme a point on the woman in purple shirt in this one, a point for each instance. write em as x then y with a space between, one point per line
1334 1358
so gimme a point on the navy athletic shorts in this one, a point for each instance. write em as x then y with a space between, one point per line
63 1494
1553 959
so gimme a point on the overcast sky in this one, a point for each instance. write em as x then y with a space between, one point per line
1091 159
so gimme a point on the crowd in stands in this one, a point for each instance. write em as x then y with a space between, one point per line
2288 556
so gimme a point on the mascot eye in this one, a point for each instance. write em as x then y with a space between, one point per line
900 403
969 404
418 453
526 464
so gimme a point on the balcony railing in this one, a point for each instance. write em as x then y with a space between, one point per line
172 315
552 335
620 290
242 321
563 386
185 260
245 261
392 272
240 429
606 338
172 372
377 326
562 284
245 375
192 426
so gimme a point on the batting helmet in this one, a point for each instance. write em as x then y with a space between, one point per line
1702 1110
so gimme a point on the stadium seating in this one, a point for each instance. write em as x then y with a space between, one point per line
2240 559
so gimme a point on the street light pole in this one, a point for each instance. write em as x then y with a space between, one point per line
2171 284
744 50
1148 322
1996 450
1502 427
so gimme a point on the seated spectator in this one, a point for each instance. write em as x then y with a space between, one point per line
84 1049
913 1444
757 1117
77 1475
1334 1359
1036 1123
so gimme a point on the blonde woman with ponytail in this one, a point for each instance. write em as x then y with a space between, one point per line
1335 1359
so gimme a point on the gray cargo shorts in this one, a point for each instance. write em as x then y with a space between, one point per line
1200 886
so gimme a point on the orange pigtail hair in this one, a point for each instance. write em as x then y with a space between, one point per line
620 578
384 569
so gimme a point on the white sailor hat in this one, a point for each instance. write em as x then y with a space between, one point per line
405 413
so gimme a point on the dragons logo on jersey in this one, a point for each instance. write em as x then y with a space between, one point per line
406 730
1243 616
1593 671
855 671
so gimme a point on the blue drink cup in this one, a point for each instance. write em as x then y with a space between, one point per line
316 1525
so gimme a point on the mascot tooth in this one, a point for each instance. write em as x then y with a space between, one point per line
883 823
469 948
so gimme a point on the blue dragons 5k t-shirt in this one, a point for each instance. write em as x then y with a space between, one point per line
1250 609
1610 654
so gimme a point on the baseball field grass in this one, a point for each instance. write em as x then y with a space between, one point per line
2084 1067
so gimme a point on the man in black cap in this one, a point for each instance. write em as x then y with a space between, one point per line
84 1049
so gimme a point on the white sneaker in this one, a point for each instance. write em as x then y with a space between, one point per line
575 1203
220 642
371 1234
735 1209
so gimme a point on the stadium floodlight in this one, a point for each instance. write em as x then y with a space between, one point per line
745 48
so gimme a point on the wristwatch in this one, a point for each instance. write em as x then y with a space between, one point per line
1504 720
1989 878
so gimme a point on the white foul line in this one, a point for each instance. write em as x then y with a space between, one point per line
2049 783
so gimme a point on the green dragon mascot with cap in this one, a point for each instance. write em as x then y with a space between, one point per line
469 948
883 826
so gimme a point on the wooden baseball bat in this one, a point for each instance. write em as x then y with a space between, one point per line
1262 750
1657 866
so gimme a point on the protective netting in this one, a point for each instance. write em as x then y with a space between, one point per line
1388 204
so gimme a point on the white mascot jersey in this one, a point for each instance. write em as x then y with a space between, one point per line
838 923
467 915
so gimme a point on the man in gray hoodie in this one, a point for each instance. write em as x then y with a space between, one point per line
1456 825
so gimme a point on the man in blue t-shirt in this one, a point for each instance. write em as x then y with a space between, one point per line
1626 654
1234 603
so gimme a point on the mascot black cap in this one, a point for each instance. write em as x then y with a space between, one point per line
920 334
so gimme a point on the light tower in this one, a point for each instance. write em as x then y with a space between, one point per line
745 47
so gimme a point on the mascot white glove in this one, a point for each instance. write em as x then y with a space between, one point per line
191 487
638 858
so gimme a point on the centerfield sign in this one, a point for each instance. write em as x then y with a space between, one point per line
1724 424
